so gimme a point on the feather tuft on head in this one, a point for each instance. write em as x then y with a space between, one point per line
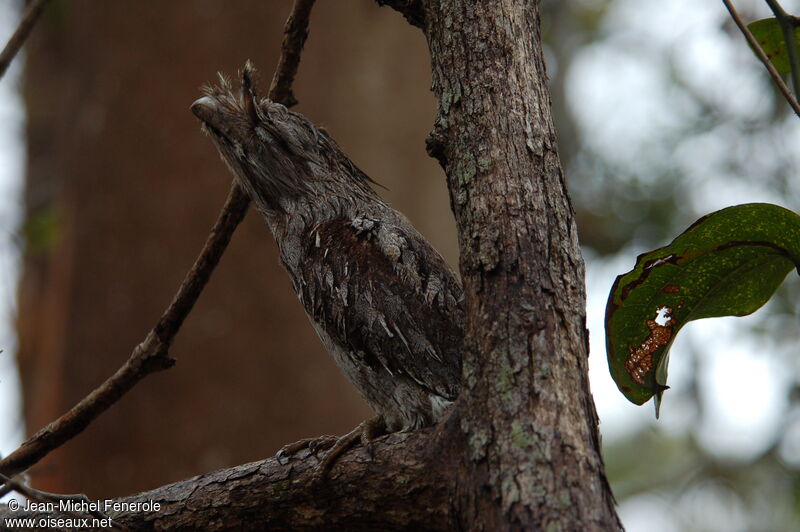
249 96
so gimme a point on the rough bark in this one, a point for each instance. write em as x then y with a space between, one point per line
527 421
396 489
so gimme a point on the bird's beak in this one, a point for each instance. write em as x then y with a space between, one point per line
205 109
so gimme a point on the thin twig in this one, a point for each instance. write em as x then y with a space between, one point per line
296 31
787 24
763 57
57 498
152 354
16 41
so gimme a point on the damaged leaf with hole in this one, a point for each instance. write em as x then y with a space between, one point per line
728 263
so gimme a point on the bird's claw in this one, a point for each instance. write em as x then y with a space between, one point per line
365 432
322 443
314 445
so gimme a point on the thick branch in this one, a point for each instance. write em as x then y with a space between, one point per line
395 490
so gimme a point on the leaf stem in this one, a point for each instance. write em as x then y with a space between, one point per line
788 24
763 57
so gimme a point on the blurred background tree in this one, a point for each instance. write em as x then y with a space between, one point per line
663 115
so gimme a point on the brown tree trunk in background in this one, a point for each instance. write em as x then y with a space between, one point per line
122 189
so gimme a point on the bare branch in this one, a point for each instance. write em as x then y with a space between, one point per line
295 36
76 500
396 489
148 357
152 354
29 18
776 77
229 218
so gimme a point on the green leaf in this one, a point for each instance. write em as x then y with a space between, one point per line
728 263
769 35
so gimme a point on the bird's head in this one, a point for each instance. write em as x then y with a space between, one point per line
277 156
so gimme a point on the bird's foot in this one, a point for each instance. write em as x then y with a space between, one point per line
314 445
366 432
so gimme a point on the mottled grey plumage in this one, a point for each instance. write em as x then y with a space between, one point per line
382 300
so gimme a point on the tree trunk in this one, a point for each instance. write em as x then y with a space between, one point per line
526 427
